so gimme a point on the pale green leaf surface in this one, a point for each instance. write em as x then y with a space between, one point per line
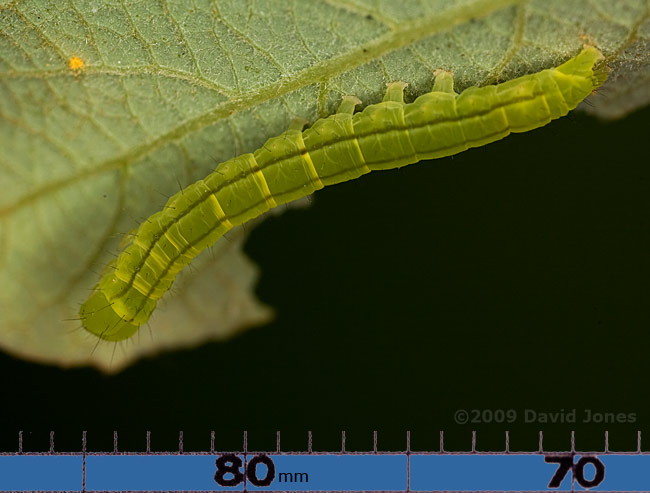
170 88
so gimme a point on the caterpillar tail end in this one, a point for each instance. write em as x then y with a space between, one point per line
589 63
578 77
583 63
599 68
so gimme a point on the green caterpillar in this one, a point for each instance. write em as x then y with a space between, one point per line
338 148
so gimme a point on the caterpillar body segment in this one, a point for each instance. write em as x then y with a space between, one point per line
338 148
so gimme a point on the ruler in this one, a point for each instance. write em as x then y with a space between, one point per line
310 471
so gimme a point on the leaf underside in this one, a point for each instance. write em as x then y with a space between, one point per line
106 109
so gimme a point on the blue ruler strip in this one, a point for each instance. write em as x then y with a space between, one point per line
320 471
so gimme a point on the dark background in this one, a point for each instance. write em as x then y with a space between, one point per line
515 276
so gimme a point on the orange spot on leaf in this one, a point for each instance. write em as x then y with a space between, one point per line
75 63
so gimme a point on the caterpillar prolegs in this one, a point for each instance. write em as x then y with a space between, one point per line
338 148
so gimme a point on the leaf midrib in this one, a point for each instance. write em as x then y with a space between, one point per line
404 34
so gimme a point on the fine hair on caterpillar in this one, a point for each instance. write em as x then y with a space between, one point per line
300 161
